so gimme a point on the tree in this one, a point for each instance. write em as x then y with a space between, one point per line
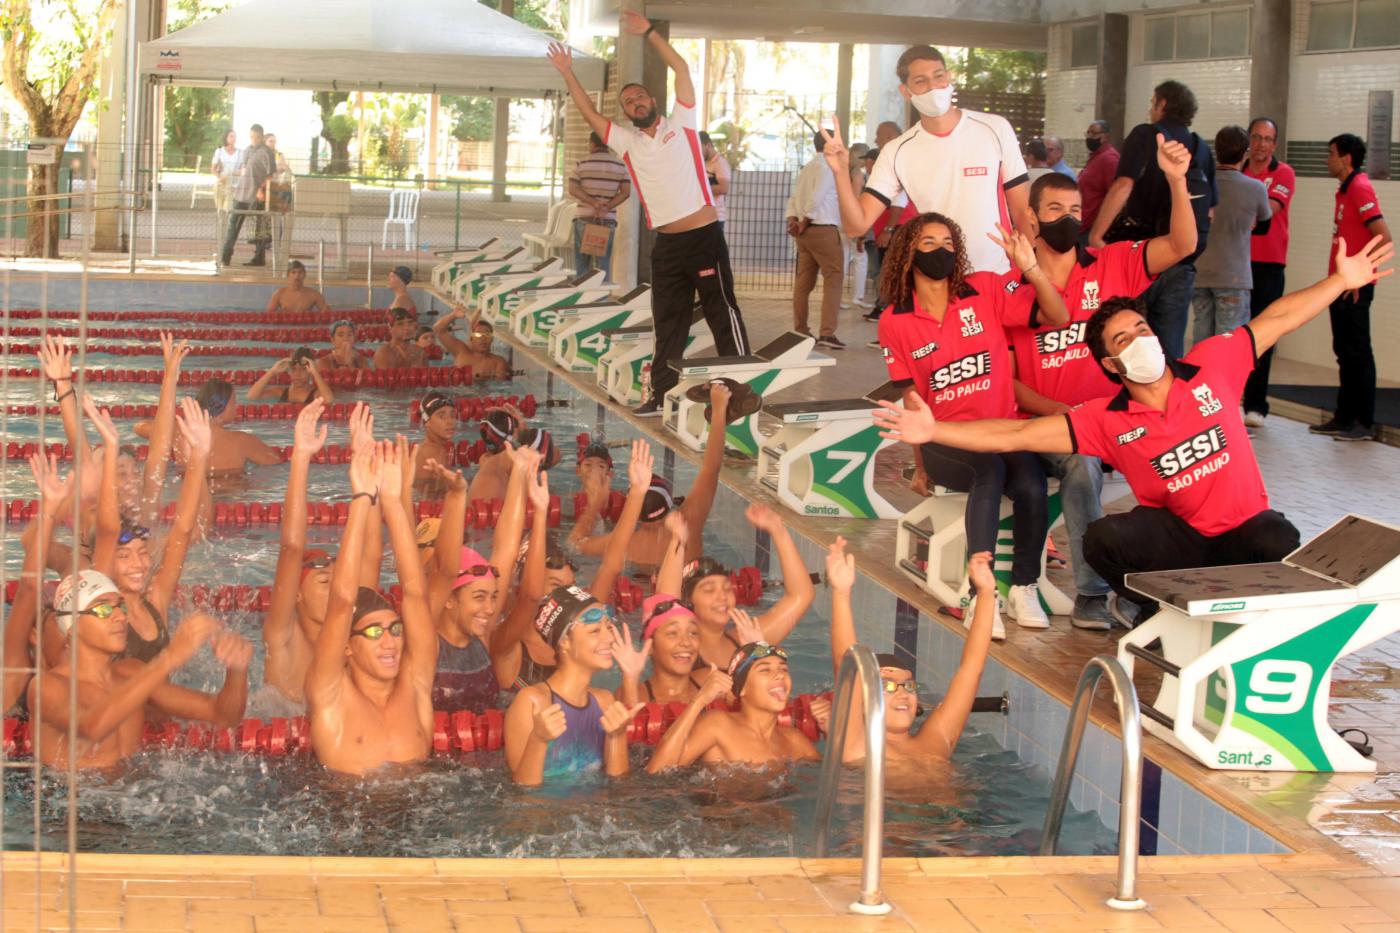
390 117
473 118
337 129
196 119
52 74
1000 70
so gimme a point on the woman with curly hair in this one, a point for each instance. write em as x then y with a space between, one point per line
944 341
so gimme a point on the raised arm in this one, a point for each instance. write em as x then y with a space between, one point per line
372 546
562 58
56 360
841 577
507 643
639 469
859 211
697 504
1020 250
671 574
193 424
798 592
162 432
940 734
262 389
54 493
916 424
442 328
1163 252
279 623
420 638
505 543
1295 309
639 25
225 708
109 516
323 388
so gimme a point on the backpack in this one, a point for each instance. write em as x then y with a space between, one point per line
1149 209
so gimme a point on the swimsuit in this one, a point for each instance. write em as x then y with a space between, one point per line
465 678
651 694
580 748
138 647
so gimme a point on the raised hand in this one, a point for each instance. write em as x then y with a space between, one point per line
912 425
763 518
979 572
281 366
308 438
840 567
173 352
834 150
361 427
537 490
391 467
618 715
193 422
561 57
716 684
55 359
193 632
719 398
523 458
53 489
745 627
232 650
1173 158
550 723
450 479
676 526
101 419
630 660
635 23
639 468
365 468
1363 267
1018 249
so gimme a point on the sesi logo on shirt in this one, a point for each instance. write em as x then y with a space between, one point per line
1091 296
1053 341
974 171
1189 452
1208 402
960 370
971 327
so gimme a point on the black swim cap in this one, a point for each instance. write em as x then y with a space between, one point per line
541 440
368 601
214 396
404 273
697 570
559 609
894 662
498 427
659 499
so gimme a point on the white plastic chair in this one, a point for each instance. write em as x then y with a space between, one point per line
203 184
403 210
558 236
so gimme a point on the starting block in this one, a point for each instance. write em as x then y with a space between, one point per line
1247 651
497 309
472 280
504 283
445 271
822 460
579 337
532 321
781 364
629 350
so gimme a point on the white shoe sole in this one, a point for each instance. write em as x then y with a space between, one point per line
998 627
1034 622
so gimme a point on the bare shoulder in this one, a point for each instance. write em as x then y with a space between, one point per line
604 697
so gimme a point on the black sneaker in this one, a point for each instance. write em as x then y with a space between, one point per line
872 315
1092 613
1125 612
649 409
1330 427
1355 433
830 342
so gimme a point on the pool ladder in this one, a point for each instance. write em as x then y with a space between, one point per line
1130 790
859 664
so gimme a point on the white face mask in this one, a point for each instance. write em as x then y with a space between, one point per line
1143 360
933 103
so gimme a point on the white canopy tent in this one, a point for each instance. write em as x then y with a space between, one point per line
411 46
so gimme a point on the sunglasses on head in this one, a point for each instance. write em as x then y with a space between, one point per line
893 686
104 610
376 631
132 533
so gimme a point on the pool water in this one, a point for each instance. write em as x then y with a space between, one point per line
988 802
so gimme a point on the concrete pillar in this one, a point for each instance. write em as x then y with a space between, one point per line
434 108
845 53
883 101
116 100
500 132
702 78
1110 96
1271 27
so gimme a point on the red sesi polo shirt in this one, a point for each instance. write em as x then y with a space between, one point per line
961 365
1280 181
1357 206
1055 361
1195 458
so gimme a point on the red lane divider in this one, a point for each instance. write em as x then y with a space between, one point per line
368 332
465 453
154 350
417 377
473 408
453 733
359 316
748 584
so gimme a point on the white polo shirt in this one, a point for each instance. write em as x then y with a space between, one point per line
963 174
668 169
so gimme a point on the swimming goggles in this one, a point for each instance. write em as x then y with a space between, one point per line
130 533
559 562
664 607
892 686
479 570
595 614
765 650
319 562
343 322
103 610
376 631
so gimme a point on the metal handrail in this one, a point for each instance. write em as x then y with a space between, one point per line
858 664
1130 789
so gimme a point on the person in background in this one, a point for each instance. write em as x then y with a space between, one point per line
1055 156
717 167
221 165
307 382
1223 278
425 341
814 222
476 351
599 184
1358 218
400 351
342 354
1141 195
295 297
1099 171
255 165
884 226
1036 164
399 279
231 451
856 251
1268 253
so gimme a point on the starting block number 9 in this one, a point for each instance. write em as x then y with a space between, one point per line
853 459
1279 687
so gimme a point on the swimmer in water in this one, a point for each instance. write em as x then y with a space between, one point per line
439 416
342 354
112 695
939 734
758 676
493 470
565 724
295 297
649 544
302 580
671 639
399 279
399 351
369 687
307 381
476 351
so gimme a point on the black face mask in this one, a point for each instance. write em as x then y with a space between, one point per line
1062 235
937 264
1093 142
644 122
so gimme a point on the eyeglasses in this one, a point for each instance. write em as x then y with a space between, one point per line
132 533
595 614
376 631
892 686
664 607
104 610
479 570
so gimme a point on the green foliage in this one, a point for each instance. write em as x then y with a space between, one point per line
544 15
337 129
196 119
388 118
473 118
1008 72
728 138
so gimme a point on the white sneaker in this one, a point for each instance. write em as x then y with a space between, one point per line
998 628
1253 419
1023 605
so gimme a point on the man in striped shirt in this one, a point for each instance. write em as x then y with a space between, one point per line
599 184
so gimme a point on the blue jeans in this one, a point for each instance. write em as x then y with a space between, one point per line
582 261
1218 311
1081 487
1168 305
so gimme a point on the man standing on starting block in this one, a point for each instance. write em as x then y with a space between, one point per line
667 165
1175 431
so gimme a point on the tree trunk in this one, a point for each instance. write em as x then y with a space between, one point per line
41 226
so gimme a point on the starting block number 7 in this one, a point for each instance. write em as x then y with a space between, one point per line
852 458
